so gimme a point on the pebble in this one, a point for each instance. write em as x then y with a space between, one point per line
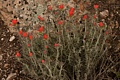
11 76
104 13
6 65
3 78
12 38
2 39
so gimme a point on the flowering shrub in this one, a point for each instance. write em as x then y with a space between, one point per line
64 48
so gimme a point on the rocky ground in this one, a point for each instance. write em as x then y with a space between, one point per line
9 44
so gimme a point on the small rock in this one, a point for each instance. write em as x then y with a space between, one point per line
11 76
2 39
8 31
12 38
104 13
3 78
6 65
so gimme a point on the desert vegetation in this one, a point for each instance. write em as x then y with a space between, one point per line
63 39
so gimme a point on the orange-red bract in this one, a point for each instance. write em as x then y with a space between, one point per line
101 24
60 22
43 61
96 6
84 17
30 54
45 36
28 45
30 37
56 45
20 32
71 11
17 54
24 34
61 6
40 18
14 21
49 7
41 29
95 16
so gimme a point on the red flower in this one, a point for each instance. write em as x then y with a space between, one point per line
60 22
56 45
40 18
49 7
30 37
107 41
95 16
56 12
61 6
71 11
43 61
58 32
25 34
41 29
17 54
28 45
46 46
94 23
14 21
96 6
20 32
30 54
84 17
101 24
45 36
11 24
106 32
45 52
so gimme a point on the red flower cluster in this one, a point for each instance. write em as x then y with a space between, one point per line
106 32
61 6
41 29
30 37
20 32
30 54
56 45
49 7
45 52
46 46
60 22
45 36
95 16
85 17
24 34
28 45
14 21
43 61
101 24
17 54
96 6
71 11
40 18
94 23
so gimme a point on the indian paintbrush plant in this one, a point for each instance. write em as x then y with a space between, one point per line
65 44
